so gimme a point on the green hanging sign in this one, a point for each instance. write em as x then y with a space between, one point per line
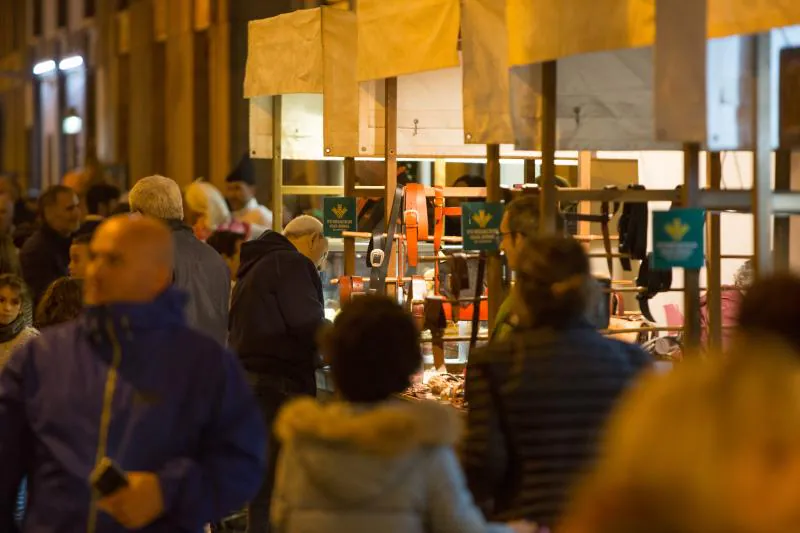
339 215
480 225
678 239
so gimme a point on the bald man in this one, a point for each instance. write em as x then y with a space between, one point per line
130 384
276 309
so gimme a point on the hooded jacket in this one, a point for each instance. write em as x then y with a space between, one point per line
131 382
203 274
388 468
537 403
276 309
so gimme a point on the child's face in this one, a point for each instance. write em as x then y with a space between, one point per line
10 305
78 260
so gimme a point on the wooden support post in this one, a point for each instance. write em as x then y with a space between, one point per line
691 282
494 270
584 182
713 263
782 225
530 170
547 183
349 242
277 164
762 159
390 145
440 173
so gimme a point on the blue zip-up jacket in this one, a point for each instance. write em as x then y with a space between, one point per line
179 406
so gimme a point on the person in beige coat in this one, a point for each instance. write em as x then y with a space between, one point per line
373 463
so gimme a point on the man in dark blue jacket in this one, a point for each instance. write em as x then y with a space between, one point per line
276 311
130 382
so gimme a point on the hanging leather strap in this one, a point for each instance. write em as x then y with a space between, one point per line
350 286
415 218
436 322
438 215
476 309
411 221
606 230
458 281
380 249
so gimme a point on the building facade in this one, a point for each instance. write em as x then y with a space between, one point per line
148 86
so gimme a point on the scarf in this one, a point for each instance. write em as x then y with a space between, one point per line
10 331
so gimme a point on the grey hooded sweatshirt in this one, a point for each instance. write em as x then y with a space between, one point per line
389 468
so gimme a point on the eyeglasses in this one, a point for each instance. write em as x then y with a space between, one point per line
501 235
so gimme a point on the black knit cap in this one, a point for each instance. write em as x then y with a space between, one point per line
245 171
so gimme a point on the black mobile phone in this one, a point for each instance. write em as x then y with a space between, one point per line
107 478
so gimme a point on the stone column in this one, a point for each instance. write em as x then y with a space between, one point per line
180 93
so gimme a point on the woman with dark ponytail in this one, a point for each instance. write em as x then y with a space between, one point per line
539 398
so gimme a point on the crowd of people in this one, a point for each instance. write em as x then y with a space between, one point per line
158 354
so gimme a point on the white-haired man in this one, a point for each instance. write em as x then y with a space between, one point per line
199 270
276 309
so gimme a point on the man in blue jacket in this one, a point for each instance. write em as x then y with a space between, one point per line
130 382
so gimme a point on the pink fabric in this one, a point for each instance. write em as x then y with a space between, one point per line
674 315
731 300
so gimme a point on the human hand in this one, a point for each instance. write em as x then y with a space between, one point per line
137 505
523 526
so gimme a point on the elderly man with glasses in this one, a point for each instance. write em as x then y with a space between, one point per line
276 310
520 221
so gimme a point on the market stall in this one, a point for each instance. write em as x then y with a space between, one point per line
451 79
662 101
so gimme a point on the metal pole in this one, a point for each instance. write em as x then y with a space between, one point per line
584 182
713 264
390 147
691 282
494 271
762 159
782 225
547 183
277 164
349 242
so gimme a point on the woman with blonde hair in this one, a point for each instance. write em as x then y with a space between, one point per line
539 398
206 211
712 447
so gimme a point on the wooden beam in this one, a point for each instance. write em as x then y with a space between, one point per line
494 264
547 183
691 277
390 146
277 163
762 159
349 242
714 256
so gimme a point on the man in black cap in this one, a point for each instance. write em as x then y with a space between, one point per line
240 193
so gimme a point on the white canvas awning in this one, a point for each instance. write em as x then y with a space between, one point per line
450 102
543 30
605 93
308 57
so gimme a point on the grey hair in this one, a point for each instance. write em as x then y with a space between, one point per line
744 275
302 226
158 197
523 216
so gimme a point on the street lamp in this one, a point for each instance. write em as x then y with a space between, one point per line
70 63
72 123
44 67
